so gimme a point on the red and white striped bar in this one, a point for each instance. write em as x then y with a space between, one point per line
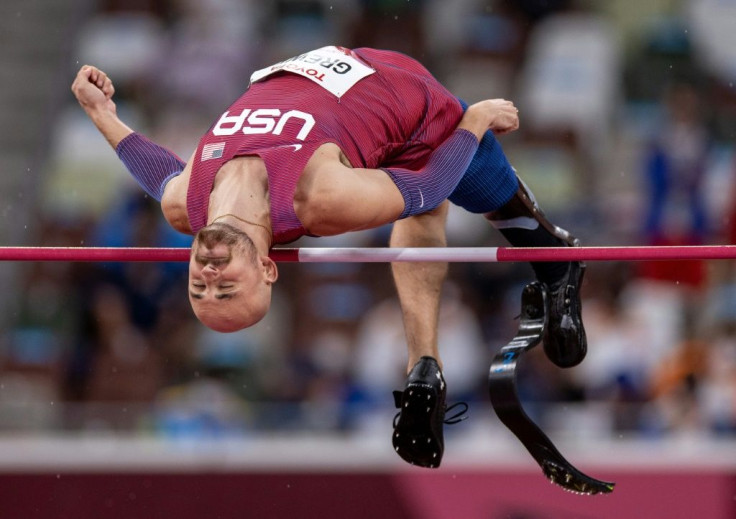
385 255
504 254
104 254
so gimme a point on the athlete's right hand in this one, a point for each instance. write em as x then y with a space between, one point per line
94 90
498 115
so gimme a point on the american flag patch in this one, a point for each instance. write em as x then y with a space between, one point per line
213 151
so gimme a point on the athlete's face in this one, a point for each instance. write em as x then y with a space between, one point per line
229 285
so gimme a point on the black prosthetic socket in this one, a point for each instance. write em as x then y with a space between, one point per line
523 224
546 272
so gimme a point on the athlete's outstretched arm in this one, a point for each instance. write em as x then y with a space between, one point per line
151 165
419 285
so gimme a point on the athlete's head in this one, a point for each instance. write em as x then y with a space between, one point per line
229 283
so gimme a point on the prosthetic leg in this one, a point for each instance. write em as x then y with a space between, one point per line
523 224
550 307
505 399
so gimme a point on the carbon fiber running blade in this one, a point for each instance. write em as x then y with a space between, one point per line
506 403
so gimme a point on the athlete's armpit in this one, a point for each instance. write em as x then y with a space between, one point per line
332 198
174 201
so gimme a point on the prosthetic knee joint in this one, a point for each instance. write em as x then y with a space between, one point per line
523 212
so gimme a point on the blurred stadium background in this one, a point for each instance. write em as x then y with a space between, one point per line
115 402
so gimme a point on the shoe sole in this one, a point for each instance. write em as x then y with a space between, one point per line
413 438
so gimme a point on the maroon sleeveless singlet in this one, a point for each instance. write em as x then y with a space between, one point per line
393 117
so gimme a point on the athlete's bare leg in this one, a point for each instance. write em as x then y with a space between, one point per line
419 285
418 435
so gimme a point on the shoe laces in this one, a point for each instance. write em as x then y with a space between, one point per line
459 416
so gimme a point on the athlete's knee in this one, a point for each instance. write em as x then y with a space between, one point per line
438 212
425 229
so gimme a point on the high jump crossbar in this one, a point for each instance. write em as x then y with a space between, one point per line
385 255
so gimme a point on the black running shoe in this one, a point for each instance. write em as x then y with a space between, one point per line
564 338
418 435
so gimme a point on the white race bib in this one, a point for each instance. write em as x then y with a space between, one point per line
329 67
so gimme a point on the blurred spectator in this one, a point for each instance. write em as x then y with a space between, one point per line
676 384
211 50
125 369
113 37
293 26
717 391
392 24
621 359
203 409
712 22
477 47
32 353
568 90
675 169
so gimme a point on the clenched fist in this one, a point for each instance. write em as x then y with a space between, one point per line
94 90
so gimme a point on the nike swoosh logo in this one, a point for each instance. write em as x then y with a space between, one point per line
421 199
296 147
